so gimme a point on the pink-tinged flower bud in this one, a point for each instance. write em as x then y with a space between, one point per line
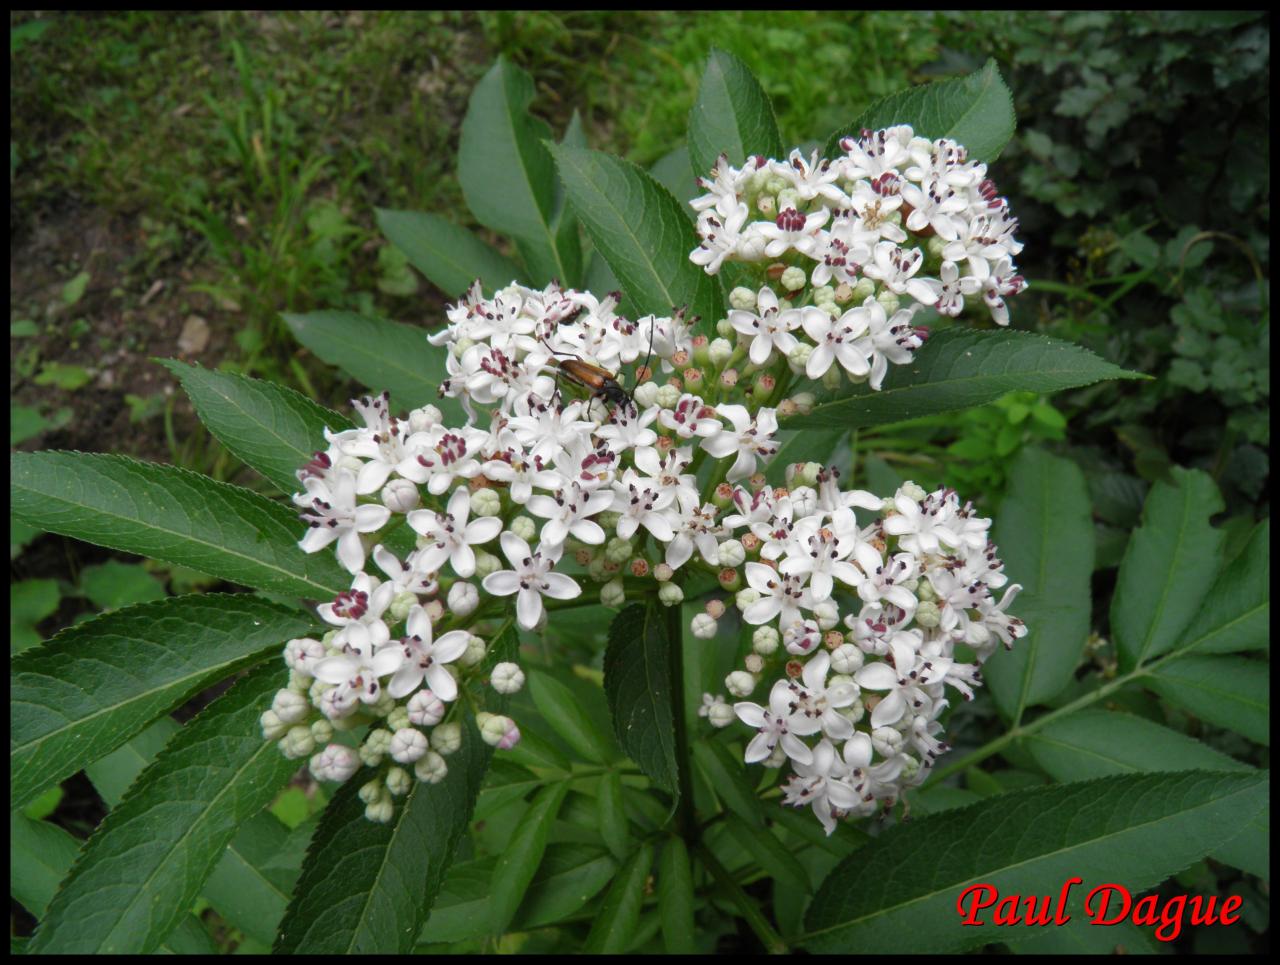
435 610
715 608
730 578
408 745
662 573
753 662
640 567
693 379
680 358
337 762
764 385
723 495
426 709
499 731
728 378
750 542
787 409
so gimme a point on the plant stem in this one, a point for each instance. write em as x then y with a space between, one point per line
771 940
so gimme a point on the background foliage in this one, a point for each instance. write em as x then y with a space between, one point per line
179 181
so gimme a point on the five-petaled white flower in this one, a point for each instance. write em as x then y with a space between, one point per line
424 658
452 535
530 579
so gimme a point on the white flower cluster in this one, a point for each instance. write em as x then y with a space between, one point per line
908 586
896 216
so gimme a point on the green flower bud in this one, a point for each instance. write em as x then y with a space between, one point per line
670 594
446 738
485 502
486 563
612 594
743 299
398 782
321 731
764 640
474 653
431 768
927 615
524 527
794 278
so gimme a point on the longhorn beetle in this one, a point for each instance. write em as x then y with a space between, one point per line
602 383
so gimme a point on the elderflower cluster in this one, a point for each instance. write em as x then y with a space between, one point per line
896 217
856 711
561 477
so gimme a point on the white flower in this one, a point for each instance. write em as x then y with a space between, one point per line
531 579
689 417
566 513
818 783
332 514
837 340
357 669
777 726
750 438
950 291
896 268
822 554
888 339
425 658
641 505
780 595
453 535
768 327
793 231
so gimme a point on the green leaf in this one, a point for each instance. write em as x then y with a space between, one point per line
173 515
975 110
615 923
509 179
1045 535
251 884
68 378
40 855
642 233
1231 692
520 859
614 827
25 423
1237 609
637 681
1167 567
813 445
380 355
450 257
732 115
672 172
565 715
30 601
271 428
95 685
1096 743
114 584
74 290
769 853
675 897
726 776
898 893
112 775
366 888
959 368
145 864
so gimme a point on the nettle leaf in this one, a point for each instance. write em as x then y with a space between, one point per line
1237 609
976 110
509 179
637 681
271 428
565 715
672 172
520 859
1167 567
1045 534
898 893
367 887
732 115
97 684
450 257
1231 692
959 368
615 923
379 354
112 775
146 863
642 233
171 514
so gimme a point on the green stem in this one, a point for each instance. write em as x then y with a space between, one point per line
771 940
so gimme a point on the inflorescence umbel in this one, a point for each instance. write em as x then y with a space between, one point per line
856 602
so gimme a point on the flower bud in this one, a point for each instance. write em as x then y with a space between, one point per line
608 519
380 811
912 490
322 731
693 379
663 573
398 782
731 553
303 654
722 497
927 615
640 567
740 683
750 543
804 500
764 386
703 626
434 610
864 289
889 300
446 738
401 604
887 741
846 659
855 711
934 246
827 614
719 351
764 640
753 662
407 745
427 417
670 594
788 197
668 396
486 563
925 592
273 728
798 357
832 377
485 502
290 707
766 205
463 598
524 527
793 279
618 550
613 593
745 597
720 714
370 791
507 678
426 709
400 496
728 378
298 742
724 328
715 608
499 731
777 757
337 762
474 653
646 394
803 402
843 293
431 768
